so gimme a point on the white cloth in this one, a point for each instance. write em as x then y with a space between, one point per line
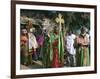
32 41
88 38
69 44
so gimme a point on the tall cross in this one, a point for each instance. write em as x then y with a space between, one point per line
60 20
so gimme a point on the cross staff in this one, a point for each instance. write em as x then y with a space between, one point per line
60 20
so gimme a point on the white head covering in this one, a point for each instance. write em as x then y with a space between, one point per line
24 31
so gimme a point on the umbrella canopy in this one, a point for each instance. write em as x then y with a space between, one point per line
25 19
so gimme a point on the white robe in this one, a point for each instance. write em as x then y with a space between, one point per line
69 44
32 41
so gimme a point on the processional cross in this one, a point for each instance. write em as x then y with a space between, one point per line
60 20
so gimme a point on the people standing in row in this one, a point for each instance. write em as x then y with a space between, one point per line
51 46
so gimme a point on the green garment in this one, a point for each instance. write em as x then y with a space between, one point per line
24 54
53 37
48 48
61 47
46 54
80 56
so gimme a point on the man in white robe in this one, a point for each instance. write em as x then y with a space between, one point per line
33 45
71 51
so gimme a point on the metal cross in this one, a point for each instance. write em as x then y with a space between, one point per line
60 20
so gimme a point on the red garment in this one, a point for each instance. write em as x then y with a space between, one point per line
55 62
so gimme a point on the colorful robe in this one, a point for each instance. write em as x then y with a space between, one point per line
24 49
46 53
40 41
50 48
61 48
82 55
56 49
53 50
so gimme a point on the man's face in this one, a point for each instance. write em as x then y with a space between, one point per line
69 32
83 31
24 31
30 24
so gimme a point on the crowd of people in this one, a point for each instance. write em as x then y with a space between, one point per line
53 48
78 48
